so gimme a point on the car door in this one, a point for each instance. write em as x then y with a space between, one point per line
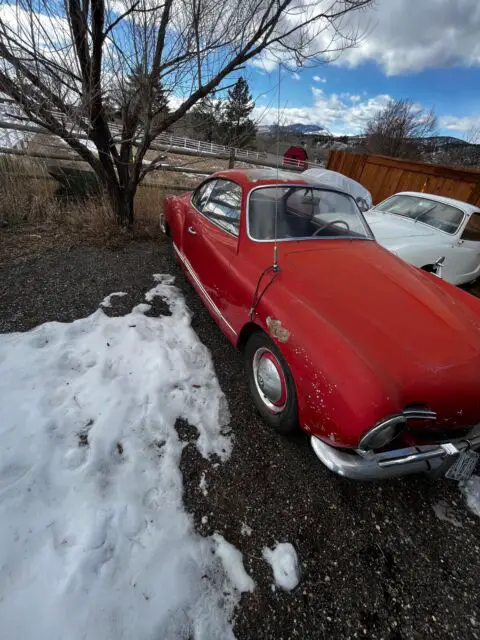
467 257
210 241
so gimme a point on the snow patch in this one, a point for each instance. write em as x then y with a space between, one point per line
232 560
107 301
471 491
245 530
444 512
284 562
94 538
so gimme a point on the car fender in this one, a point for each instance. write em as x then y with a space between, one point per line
421 254
175 208
463 297
332 406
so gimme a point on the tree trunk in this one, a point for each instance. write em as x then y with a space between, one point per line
122 202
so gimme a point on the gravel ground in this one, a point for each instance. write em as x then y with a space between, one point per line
376 561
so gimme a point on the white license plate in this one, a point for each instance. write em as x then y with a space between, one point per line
464 466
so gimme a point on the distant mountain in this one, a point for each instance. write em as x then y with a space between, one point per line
297 127
440 141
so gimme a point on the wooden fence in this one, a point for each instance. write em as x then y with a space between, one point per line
384 176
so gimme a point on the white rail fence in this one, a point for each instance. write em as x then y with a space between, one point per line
166 142
209 147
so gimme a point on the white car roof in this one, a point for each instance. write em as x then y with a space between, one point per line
339 181
464 206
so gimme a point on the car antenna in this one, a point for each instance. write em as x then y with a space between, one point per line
275 267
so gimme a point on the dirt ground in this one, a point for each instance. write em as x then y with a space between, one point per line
376 560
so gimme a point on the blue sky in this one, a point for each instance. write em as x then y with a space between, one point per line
427 51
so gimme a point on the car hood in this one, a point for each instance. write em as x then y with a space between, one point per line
387 226
409 329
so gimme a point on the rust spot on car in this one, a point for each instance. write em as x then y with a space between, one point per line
277 331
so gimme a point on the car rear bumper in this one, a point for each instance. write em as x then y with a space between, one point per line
390 464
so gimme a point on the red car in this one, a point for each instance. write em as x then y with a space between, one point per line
378 361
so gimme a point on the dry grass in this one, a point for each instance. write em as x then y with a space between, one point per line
26 193
27 198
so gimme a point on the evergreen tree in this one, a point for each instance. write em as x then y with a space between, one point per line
207 121
137 98
238 128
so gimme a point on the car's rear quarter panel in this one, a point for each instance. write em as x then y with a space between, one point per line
175 209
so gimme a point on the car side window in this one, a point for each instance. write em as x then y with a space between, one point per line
224 205
472 230
202 194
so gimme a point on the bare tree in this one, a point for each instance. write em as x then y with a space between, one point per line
66 61
401 129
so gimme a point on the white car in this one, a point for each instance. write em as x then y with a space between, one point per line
424 229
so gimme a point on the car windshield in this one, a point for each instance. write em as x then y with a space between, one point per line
300 212
435 214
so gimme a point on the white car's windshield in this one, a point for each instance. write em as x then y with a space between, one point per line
299 212
435 214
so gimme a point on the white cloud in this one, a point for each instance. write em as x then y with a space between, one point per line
347 114
459 124
319 79
337 113
49 29
266 61
404 36
411 35
295 76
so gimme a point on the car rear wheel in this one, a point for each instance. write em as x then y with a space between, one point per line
271 383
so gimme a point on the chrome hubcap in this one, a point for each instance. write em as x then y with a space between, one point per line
269 380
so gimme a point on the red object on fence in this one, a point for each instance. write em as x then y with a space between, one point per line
295 157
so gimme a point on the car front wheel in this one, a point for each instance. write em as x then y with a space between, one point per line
271 383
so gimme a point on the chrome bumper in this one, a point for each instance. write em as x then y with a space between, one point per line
390 464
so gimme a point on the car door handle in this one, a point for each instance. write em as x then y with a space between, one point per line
192 231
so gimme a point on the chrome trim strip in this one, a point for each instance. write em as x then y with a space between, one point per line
419 414
208 299
419 456
304 185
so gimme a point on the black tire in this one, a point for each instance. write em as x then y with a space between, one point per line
284 421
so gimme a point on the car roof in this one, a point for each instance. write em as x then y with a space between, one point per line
464 206
265 176
262 175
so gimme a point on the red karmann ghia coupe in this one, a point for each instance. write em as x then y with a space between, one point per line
378 361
